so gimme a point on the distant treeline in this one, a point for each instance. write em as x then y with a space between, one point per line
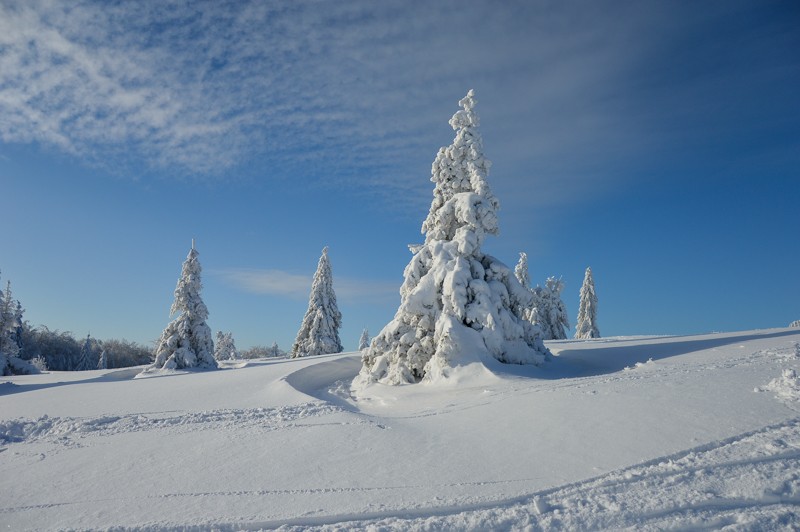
62 352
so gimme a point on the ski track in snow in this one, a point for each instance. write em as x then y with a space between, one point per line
67 430
750 481
708 487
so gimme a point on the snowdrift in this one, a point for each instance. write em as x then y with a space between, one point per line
700 431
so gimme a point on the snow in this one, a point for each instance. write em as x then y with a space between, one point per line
698 432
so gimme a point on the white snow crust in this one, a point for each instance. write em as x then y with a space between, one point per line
699 432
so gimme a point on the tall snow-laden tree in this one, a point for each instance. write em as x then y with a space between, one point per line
225 348
587 311
458 305
319 332
363 342
186 342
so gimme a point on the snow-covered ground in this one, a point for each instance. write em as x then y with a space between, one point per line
698 432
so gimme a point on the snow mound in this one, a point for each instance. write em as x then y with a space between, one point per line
638 365
786 387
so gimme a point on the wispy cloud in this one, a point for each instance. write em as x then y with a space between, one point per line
274 282
204 85
353 94
281 283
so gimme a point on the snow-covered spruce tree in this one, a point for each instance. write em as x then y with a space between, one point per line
102 363
532 313
363 342
10 326
521 271
587 311
458 305
186 342
275 351
225 347
86 357
556 314
319 332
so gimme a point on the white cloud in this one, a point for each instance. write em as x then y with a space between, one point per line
274 282
202 86
281 283
356 94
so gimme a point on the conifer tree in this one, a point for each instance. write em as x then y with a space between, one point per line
10 321
274 351
102 363
557 317
532 313
225 347
457 304
521 271
10 328
319 332
85 361
587 311
186 342
363 342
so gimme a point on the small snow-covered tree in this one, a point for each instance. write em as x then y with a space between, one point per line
553 314
10 329
40 363
531 313
319 332
587 311
795 323
186 342
10 321
86 357
458 305
102 362
225 348
521 271
275 351
363 342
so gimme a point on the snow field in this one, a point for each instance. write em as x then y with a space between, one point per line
697 437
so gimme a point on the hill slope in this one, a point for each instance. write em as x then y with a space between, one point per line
644 432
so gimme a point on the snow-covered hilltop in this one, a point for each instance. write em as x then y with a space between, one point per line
613 433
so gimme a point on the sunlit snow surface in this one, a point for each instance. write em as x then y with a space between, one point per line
644 433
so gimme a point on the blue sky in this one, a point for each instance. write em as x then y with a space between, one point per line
658 142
